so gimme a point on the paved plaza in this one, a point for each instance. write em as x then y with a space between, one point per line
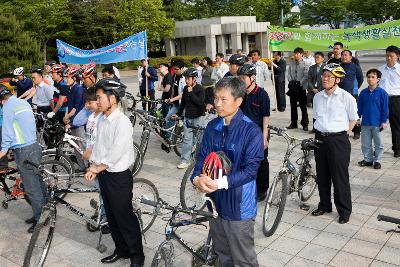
301 239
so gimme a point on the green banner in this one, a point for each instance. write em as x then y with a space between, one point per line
370 37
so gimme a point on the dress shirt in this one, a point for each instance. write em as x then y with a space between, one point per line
219 72
262 73
333 113
44 94
390 80
114 142
298 71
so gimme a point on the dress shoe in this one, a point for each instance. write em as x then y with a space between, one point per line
32 228
137 262
291 127
319 212
261 196
305 128
364 163
356 136
377 166
30 220
343 220
312 131
397 154
136 265
112 258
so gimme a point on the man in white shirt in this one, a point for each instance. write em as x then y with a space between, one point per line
196 64
390 82
308 58
263 73
111 157
335 114
220 68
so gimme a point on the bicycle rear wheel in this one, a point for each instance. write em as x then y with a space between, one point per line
145 213
65 179
276 199
52 154
189 195
138 163
177 139
164 256
41 238
307 183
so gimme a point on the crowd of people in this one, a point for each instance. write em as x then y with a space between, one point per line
90 109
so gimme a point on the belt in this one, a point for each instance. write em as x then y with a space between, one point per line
330 133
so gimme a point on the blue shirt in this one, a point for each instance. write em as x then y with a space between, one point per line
81 117
150 80
256 105
373 107
22 86
19 127
76 101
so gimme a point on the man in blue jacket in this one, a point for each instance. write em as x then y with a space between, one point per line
21 82
235 194
149 76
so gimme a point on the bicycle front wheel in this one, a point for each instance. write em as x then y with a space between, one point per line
138 163
276 199
41 238
177 139
164 256
189 195
146 214
64 180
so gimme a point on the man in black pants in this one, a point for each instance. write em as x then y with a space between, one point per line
390 82
256 106
111 157
279 65
335 113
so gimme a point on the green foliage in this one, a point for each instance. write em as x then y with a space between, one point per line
372 11
324 12
17 48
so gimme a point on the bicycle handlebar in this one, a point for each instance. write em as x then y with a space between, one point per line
388 219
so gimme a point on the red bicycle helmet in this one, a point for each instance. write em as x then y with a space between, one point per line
57 68
216 165
73 71
88 69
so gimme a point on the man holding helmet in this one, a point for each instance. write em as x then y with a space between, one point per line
234 192
235 61
111 157
335 114
192 102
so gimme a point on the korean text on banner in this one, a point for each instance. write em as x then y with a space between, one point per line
132 48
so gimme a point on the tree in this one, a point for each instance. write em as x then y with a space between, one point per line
17 48
372 12
324 12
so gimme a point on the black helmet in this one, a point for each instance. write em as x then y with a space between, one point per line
237 59
111 85
190 72
4 90
247 69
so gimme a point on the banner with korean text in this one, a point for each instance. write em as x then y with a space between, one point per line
132 48
378 36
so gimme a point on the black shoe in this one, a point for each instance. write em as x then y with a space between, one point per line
32 228
312 131
137 263
112 258
305 128
30 220
319 212
165 148
261 196
364 163
291 127
356 136
377 166
397 154
274 109
343 220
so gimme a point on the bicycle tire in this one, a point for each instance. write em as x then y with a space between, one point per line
146 214
164 257
189 196
56 166
310 179
279 194
177 139
144 141
37 252
138 163
54 155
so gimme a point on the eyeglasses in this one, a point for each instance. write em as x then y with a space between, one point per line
327 77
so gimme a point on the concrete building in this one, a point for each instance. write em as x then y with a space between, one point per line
206 37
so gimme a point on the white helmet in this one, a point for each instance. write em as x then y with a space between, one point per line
18 71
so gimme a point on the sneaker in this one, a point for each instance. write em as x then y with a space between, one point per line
377 166
183 165
364 163
291 126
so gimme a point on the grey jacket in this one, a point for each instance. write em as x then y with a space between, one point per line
314 77
298 71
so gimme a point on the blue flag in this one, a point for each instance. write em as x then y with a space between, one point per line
297 2
132 48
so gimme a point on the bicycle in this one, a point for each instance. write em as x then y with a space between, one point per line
164 255
290 178
188 193
42 236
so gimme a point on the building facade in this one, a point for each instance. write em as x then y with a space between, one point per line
206 37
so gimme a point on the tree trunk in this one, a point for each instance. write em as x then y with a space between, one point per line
44 52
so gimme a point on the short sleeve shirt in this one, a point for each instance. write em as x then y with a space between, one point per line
256 105
61 90
167 80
